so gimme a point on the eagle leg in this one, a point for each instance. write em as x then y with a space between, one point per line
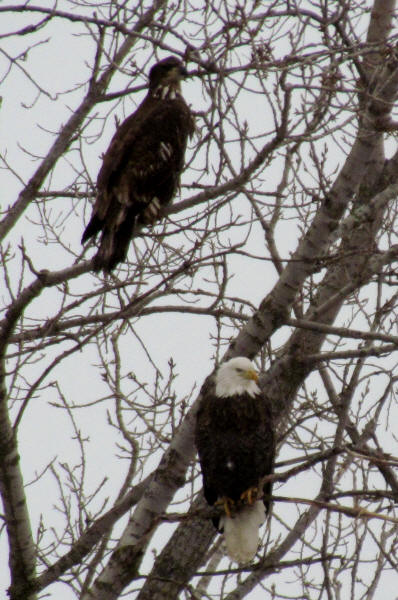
250 496
227 504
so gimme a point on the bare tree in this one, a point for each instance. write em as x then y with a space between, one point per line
281 247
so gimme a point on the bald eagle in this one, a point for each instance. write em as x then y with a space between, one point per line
141 169
235 439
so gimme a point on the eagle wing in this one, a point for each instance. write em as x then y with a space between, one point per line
123 138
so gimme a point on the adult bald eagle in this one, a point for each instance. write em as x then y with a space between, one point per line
141 169
236 444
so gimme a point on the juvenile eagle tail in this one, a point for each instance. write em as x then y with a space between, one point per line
112 251
241 532
114 242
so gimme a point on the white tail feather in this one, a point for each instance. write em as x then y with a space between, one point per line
241 532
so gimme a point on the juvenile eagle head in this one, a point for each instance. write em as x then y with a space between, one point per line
237 376
167 73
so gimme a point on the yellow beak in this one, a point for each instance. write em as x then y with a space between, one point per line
252 374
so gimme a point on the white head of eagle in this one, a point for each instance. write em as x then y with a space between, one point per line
237 376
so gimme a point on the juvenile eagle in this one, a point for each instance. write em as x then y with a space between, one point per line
141 169
236 445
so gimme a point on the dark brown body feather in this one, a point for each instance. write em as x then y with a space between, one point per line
143 162
236 445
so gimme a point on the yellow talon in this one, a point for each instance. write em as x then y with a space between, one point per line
250 495
227 504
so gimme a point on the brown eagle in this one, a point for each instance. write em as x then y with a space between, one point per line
141 169
236 444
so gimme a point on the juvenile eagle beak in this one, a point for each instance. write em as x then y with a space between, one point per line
176 74
251 374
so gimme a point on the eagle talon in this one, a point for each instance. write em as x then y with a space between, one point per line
227 504
250 496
